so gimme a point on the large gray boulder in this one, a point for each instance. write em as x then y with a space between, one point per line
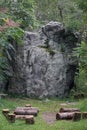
44 66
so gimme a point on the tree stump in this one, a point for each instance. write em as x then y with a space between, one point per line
69 110
28 105
5 112
84 115
64 116
77 116
11 118
29 119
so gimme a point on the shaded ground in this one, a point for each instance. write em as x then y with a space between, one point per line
49 117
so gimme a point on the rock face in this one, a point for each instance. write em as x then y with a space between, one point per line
44 66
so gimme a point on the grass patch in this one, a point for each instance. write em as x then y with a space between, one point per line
44 106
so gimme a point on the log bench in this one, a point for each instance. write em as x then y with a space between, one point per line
64 116
75 116
2 95
69 110
26 112
27 108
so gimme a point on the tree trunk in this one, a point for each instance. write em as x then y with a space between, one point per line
27 108
20 116
69 110
64 116
26 112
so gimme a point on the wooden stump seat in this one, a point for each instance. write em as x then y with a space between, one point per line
29 119
5 112
77 116
28 105
11 117
84 115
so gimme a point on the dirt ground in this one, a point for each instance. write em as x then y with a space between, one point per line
49 117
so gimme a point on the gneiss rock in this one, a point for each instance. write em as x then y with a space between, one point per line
54 30
44 66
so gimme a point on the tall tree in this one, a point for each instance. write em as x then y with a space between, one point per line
65 11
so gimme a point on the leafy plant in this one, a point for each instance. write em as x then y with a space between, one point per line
19 10
65 11
81 78
7 49
13 15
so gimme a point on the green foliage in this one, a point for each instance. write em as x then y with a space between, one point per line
3 65
21 11
81 78
82 4
65 11
7 49
81 50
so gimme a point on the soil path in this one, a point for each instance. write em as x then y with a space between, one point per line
49 117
